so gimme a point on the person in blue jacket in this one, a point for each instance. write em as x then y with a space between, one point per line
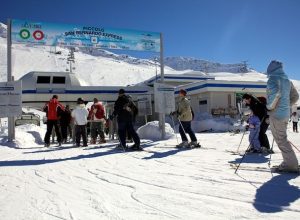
281 95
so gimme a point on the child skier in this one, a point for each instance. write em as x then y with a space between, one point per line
254 128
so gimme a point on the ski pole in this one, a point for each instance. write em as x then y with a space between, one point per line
241 141
294 146
245 153
182 127
174 128
269 163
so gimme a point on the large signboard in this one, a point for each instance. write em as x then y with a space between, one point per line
10 99
164 96
52 34
144 105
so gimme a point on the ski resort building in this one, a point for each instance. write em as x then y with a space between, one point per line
207 95
220 97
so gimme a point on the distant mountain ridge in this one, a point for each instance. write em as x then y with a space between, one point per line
184 63
3 30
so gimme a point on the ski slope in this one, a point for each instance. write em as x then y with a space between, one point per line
162 182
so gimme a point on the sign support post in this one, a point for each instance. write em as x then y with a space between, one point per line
162 76
11 120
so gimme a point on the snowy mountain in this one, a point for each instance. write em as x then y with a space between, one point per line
184 63
3 30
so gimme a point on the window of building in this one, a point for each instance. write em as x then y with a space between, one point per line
203 102
59 80
43 80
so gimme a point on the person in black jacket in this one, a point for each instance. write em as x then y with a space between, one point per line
65 120
123 109
259 109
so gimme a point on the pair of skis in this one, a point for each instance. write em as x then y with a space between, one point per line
273 169
189 146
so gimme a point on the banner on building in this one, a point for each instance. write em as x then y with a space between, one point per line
67 35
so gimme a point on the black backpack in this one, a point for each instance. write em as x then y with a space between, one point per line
133 108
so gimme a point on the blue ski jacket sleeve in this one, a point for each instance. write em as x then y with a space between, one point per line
278 94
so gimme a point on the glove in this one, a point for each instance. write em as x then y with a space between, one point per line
247 127
173 113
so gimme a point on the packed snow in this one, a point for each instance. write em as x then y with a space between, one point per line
161 182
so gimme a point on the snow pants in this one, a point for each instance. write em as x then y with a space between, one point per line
263 138
80 131
97 128
50 124
124 126
278 128
254 138
186 127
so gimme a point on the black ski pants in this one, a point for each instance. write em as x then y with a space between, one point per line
186 127
295 126
124 126
50 124
80 131
263 138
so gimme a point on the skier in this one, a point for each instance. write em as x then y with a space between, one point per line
80 115
51 108
185 116
123 109
259 109
295 119
281 95
254 128
97 117
65 120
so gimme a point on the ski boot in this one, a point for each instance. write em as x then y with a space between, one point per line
194 144
183 144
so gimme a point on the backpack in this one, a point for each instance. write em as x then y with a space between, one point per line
193 114
133 108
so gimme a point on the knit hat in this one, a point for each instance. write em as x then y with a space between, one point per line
274 65
121 91
183 92
80 101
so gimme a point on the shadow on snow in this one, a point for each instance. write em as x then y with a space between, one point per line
276 194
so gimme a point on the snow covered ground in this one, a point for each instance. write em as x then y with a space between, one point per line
162 182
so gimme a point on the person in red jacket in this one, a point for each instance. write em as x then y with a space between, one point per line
97 117
52 109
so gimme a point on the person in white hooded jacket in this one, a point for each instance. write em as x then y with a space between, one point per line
80 114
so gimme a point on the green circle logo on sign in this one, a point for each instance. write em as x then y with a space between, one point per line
24 34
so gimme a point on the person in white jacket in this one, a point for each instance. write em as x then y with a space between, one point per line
295 119
80 114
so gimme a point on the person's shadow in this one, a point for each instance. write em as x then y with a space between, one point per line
276 194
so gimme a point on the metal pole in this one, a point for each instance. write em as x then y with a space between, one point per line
11 120
155 60
162 115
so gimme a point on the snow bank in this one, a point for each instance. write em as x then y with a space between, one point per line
151 131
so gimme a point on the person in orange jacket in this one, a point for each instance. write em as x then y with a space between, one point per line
52 109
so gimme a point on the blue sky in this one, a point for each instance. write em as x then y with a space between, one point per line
226 31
